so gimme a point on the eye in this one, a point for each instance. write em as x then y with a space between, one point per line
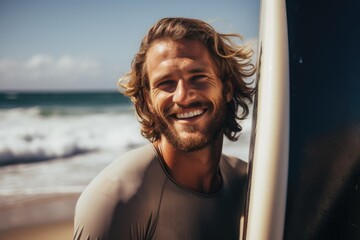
197 78
199 81
166 85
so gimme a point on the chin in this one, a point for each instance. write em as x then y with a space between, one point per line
190 142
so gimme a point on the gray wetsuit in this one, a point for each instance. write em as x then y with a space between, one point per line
135 198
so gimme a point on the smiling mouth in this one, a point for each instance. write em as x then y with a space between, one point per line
191 114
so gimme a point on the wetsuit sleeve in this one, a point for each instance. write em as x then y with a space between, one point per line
110 206
93 215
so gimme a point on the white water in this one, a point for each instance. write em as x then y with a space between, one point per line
27 135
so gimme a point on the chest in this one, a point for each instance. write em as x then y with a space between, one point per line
187 216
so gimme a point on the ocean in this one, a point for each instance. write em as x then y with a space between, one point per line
55 143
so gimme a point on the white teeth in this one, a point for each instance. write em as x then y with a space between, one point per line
189 114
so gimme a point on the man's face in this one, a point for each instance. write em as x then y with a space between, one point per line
186 94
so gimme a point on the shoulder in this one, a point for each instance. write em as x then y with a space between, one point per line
234 172
234 166
116 184
235 177
123 176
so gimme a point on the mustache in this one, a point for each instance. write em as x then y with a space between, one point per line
178 108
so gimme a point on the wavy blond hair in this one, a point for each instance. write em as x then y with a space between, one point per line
233 63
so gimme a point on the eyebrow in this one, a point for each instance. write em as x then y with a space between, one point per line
198 70
169 75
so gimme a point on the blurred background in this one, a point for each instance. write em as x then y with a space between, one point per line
62 118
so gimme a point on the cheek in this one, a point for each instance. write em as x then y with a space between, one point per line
159 105
217 99
218 104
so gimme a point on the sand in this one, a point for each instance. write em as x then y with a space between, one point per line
51 231
38 218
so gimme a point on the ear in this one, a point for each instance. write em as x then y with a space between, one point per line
228 90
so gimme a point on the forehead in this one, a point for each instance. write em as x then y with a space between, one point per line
181 48
168 54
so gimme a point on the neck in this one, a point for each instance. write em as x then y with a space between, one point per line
196 170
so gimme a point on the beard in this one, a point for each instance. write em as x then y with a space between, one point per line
200 138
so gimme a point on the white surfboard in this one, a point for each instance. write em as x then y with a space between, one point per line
270 136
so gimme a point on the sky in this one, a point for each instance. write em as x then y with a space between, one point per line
86 45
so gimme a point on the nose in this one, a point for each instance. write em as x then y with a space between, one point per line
183 93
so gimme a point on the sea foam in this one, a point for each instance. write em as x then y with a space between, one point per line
26 134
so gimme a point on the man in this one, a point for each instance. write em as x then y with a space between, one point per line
186 83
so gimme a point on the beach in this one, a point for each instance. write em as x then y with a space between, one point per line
53 231
46 217
37 200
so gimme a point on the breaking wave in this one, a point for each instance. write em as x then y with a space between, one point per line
27 134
